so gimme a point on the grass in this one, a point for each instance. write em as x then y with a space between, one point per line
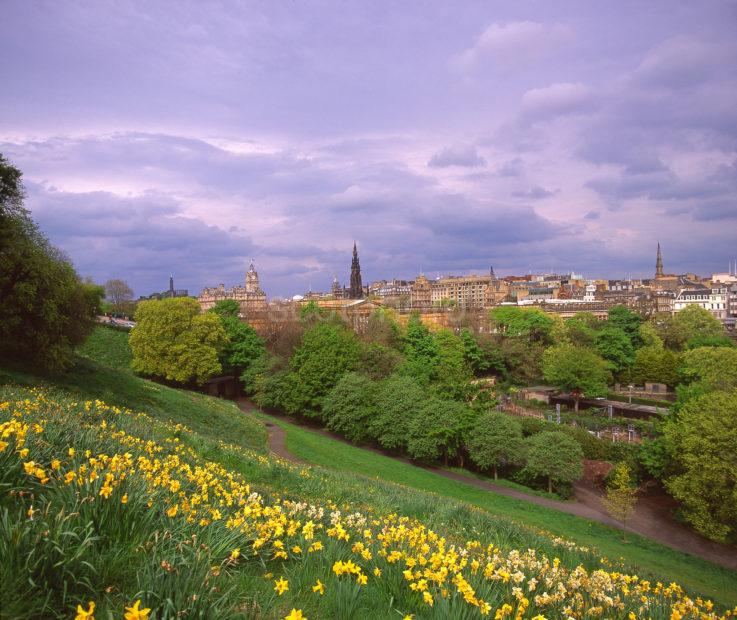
110 380
108 346
504 482
647 556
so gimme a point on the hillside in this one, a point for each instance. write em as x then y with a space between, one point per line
176 505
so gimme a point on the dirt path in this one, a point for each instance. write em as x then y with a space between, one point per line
651 518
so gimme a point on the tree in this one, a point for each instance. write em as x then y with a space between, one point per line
173 340
496 439
532 324
438 430
399 400
349 408
452 374
579 330
382 329
378 361
523 360
703 340
615 346
45 309
712 368
697 322
576 370
119 294
628 321
420 351
554 455
621 495
326 353
657 365
702 440
244 354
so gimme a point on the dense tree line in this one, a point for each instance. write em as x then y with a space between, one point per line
46 310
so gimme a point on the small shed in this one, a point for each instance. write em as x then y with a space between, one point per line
538 392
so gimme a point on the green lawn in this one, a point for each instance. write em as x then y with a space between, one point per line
646 556
109 346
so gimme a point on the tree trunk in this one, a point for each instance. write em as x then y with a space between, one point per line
576 405
460 458
550 484
445 459
495 476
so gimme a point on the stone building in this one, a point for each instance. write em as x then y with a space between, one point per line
250 297
172 292
420 293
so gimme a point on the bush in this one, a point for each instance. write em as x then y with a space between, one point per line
350 407
438 430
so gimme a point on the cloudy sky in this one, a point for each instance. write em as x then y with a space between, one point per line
188 137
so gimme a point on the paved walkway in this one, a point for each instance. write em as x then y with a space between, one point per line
650 519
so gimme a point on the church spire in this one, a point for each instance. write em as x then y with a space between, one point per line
659 264
356 290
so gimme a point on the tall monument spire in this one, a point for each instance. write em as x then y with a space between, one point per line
659 264
356 290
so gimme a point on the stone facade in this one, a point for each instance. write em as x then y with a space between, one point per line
250 298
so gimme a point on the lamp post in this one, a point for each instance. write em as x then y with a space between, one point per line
631 387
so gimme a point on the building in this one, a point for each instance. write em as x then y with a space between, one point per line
421 293
394 293
715 300
250 297
171 292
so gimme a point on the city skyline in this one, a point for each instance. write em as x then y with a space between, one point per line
178 139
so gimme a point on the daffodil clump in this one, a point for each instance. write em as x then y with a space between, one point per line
110 512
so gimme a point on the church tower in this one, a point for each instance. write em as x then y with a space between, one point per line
356 290
659 264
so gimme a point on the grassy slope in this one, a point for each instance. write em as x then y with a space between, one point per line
214 420
109 379
645 555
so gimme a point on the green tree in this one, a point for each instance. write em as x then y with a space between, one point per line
350 408
579 330
399 400
45 309
615 346
382 329
244 353
554 455
628 321
421 354
696 322
532 324
173 340
496 439
378 361
438 430
326 353
702 441
649 336
710 341
621 494
576 370
523 360
655 364
711 368
452 374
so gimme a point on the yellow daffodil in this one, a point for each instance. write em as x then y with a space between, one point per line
281 585
319 587
87 614
295 614
135 613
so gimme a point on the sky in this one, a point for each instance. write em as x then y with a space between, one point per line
187 137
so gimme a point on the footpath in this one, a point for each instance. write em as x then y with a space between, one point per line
651 517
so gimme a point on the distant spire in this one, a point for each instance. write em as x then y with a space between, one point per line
491 271
659 264
171 285
356 288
